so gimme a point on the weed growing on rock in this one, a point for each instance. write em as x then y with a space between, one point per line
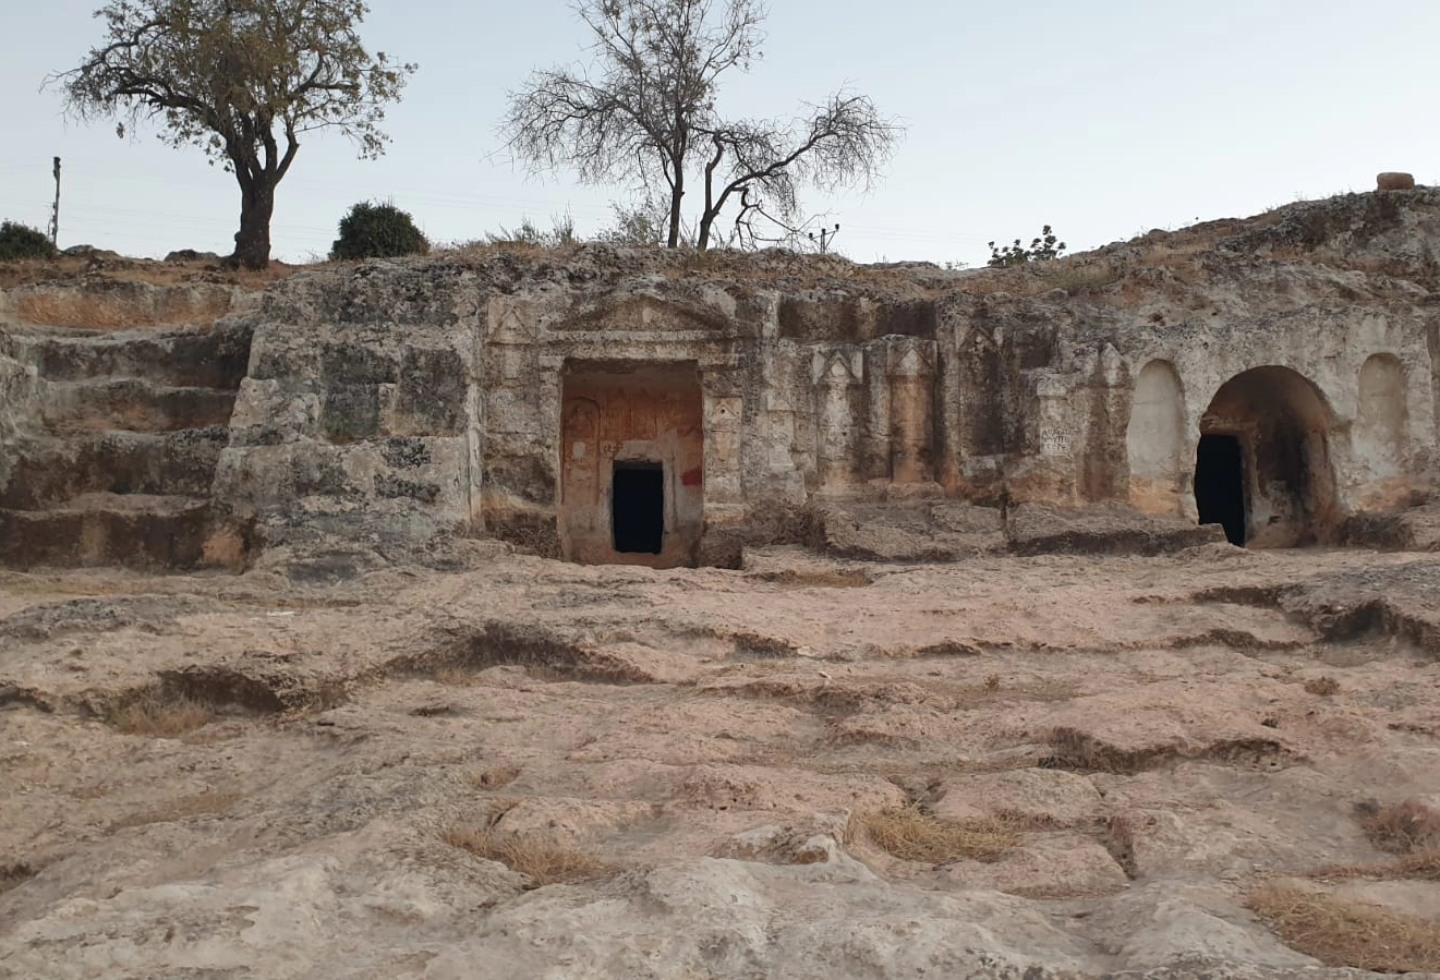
910 834
1400 828
1341 933
158 715
546 862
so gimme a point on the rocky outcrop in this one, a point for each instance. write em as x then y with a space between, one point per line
111 455
1275 377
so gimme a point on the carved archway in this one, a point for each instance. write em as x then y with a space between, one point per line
1155 439
1263 463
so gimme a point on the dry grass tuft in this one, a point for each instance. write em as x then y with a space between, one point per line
181 808
159 715
1424 865
97 313
454 677
1079 276
546 862
912 835
1322 686
69 268
1400 828
1341 933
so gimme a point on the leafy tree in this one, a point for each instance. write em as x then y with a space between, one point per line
1042 249
19 241
242 79
378 231
646 110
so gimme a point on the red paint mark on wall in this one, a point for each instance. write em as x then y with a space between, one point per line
691 478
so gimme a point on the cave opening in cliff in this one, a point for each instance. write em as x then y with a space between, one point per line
1266 432
637 507
1220 485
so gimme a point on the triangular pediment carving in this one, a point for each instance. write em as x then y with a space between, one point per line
510 324
835 368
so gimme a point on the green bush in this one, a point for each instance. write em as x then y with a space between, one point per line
19 241
377 231
1044 248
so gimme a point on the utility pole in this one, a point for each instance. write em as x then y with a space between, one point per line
55 209
826 236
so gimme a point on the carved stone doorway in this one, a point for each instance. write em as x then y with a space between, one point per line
632 453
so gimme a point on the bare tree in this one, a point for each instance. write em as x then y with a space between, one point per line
236 77
645 110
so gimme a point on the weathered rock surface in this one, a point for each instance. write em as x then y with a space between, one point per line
717 741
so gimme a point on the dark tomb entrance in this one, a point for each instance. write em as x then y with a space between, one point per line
637 507
1220 485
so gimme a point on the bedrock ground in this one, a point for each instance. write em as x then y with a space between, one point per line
528 768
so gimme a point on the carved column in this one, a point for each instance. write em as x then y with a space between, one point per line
912 411
837 380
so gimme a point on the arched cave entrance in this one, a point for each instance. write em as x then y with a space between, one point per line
1262 467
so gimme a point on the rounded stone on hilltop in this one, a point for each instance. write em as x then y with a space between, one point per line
1394 181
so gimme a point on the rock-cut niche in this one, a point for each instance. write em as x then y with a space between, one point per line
1382 419
1262 466
632 455
1155 440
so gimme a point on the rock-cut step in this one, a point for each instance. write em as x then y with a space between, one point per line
95 529
211 358
72 407
44 473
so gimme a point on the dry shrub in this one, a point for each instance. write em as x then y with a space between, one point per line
67 268
912 835
496 777
1424 865
1341 933
1079 277
455 677
99 313
181 808
160 715
1322 686
1399 828
1421 865
545 861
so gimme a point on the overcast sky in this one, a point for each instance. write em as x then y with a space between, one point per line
1104 118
